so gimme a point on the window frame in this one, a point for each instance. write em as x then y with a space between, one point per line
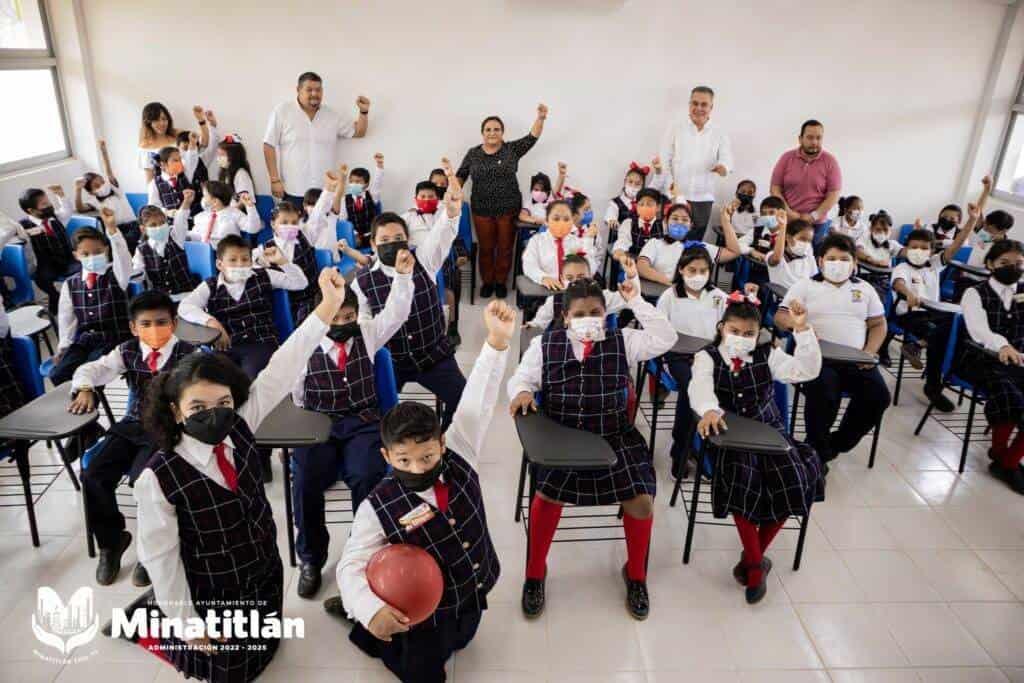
1014 116
18 59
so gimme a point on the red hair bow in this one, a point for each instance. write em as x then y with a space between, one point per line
233 138
738 297
644 170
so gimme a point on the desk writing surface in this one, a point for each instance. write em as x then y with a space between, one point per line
530 289
940 306
289 426
556 446
977 271
687 346
27 321
749 435
197 335
841 353
46 417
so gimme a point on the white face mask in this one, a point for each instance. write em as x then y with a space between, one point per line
854 215
586 329
695 282
103 190
836 271
238 273
223 161
799 248
630 191
737 346
918 257
205 204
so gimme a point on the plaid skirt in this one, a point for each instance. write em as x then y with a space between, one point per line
11 396
766 488
1004 391
631 475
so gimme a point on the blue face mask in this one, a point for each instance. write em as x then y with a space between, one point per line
159 234
678 231
354 189
770 222
96 263
587 218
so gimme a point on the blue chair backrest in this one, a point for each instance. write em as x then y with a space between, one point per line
904 232
201 259
384 380
76 222
345 231
134 289
440 289
264 205
380 207
262 237
466 225
954 338
324 259
947 288
282 314
26 364
14 265
137 200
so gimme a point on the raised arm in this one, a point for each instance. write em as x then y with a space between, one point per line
973 213
121 257
363 120
986 190
538 123
208 149
560 179
732 243
656 334
80 205
105 160
778 252
249 221
378 330
438 242
377 177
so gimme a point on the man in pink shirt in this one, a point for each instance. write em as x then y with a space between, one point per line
809 180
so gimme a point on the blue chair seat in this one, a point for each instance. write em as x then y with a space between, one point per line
137 200
201 259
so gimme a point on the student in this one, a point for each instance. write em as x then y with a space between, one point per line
361 194
546 251
127 445
583 220
166 188
162 254
633 235
745 216
994 315
792 259
233 167
851 221
206 530
575 267
843 309
759 242
197 152
877 248
917 279
11 395
420 222
623 206
993 228
948 224
339 382
50 247
296 246
660 255
760 491
218 218
420 350
535 209
583 370
92 316
433 481
106 193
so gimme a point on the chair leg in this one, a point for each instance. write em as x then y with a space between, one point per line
691 514
967 434
289 514
874 443
960 397
67 464
800 541
899 380
924 418
46 340
90 545
472 274
519 489
24 471
106 406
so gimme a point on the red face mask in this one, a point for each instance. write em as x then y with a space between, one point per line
426 205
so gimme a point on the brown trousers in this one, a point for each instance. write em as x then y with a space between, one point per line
496 238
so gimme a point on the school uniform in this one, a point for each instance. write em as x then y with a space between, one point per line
211 225
455 535
761 240
300 252
761 488
545 253
164 261
620 209
241 183
206 533
792 269
320 226
885 251
930 326
994 316
963 281
167 192
338 381
361 209
587 390
92 315
420 224
944 237
51 250
743 221
856 231
11 395
110 197
550 312
634 235
538 210
127 446
663 254
839 315
420 349
245 309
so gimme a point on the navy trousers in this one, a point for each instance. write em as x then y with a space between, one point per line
252 358
934 328
869 397
125 449
444 379
353 452
680 369
74 356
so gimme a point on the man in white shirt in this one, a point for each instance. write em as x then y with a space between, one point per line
695 151
304 133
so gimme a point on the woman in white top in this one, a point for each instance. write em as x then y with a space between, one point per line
851 220
157 132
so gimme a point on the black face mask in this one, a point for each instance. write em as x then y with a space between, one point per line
1007 275
47 213
342 333
211 426
945 224
419 482
388 252
745 199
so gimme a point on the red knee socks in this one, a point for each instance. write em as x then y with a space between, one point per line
1001 439
766 534
752 556
544 516
1013 454
638 540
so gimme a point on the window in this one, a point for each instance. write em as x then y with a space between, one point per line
1010 165
33 127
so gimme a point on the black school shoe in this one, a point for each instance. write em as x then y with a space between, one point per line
938 400
739 572
486 291
681 467
454 338
500 290
110 560
638 603
533 598
140 577
336 608
1013 477
309 580
756 594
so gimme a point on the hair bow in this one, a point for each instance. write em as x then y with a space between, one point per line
643 170
738 297
233 139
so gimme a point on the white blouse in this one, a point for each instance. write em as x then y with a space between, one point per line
697 317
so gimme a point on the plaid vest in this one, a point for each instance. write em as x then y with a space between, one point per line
304 257
228 539
623 209
168 273
421 341
556 311
760 233
1008 323
638 236
250 320
458 539
170 197
50 249
102 311
588 395
138 375
330 391
749 391
362 218
11 395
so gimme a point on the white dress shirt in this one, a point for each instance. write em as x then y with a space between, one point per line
613 303
103 371
179 233
654 338
883 253
764 244
664 257
374 189
67 321
856 231
838 314
62 209
690 154
695 316
420 224
321 225
287 247
115 201
743 221
242 182
803 366
787 273
5 323
624 240
376 331
465 436
193 307
226 221
158 544
976 318
978 251
537 210
306 148
12 232
208 155
924 281
540 258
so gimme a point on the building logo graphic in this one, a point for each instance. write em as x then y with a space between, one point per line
64 627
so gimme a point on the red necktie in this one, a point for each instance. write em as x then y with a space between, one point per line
174 182
441 491
737 363
632 207
647 227
209 228
48 228
151 360
588 346
561 254
359 203
90 280
226 468
342 355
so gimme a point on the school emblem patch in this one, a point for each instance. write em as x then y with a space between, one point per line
856 296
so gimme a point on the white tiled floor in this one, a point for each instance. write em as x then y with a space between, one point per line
911 573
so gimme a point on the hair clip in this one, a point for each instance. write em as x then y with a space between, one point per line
738 297
232 139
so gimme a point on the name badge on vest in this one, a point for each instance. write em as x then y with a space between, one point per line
416 517
1018 298
764 244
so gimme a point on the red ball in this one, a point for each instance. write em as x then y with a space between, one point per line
407 578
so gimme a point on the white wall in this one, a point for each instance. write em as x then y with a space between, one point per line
897 82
